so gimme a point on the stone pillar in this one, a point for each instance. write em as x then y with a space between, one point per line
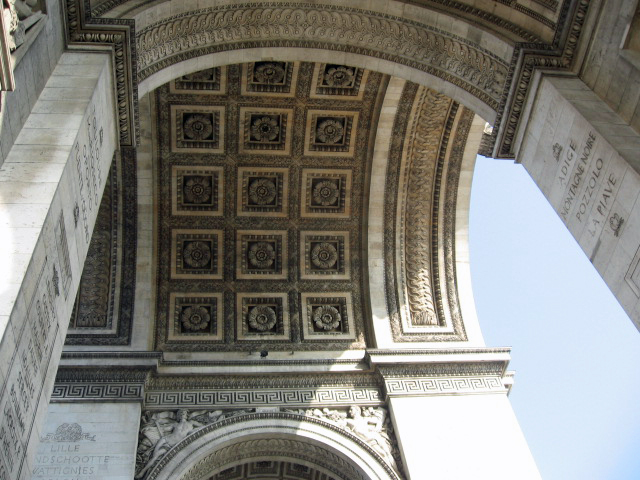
452 417
88 441
50 189
584 157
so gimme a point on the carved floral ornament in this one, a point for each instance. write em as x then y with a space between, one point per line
197 189
262 318
265 129
330 131
324 255
325 193
262 191
342 76
341 28
198 127
196 254
261 254
195 318
269 73
326 317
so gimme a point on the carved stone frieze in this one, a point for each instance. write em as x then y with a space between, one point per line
407 42
420 213
372 425
164 433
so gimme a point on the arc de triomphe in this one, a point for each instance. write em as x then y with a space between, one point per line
234 234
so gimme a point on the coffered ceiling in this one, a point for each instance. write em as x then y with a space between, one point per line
261 172
264 199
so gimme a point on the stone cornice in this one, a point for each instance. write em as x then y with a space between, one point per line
529 58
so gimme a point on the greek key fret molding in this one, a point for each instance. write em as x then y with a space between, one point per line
294 25
403 387
292 397
444 378
93 384
82 392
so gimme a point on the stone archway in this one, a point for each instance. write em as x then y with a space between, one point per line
280 437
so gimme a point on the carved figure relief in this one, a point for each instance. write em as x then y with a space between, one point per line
161 431
370 424
18 18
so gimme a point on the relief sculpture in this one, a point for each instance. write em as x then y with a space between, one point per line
161 431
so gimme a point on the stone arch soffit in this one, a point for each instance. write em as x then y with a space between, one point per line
179 44
283 436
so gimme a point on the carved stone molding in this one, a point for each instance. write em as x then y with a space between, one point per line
291 25
109 291
443 378
112 392
256 383
274 435
77 385
244 398
421 190
421 386
529 58
114 34
294 25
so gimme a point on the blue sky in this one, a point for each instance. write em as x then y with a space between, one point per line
575 352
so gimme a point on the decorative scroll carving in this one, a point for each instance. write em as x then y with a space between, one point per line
425 135
406 42
419 234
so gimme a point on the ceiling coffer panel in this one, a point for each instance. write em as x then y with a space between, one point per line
260 181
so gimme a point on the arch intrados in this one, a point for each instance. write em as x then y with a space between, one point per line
214 447
233 57
259 458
